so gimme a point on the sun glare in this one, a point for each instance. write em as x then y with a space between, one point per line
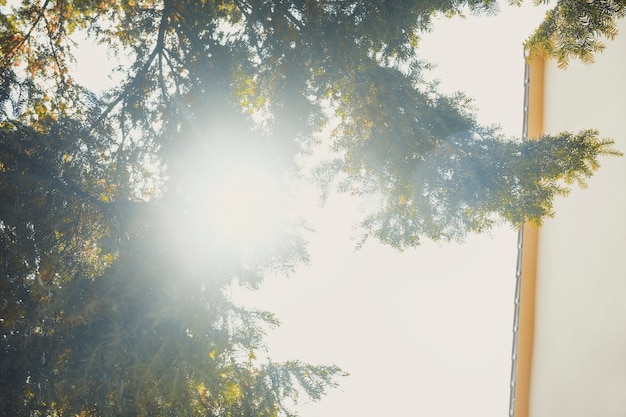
243 205
230 203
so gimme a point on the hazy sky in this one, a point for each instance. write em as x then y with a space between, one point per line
427 332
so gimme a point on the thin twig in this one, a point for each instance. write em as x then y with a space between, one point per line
30 32
142 71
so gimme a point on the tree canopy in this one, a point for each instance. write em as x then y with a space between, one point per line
115 274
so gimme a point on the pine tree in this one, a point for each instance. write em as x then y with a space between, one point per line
115 288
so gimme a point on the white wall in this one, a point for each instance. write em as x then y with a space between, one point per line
579 357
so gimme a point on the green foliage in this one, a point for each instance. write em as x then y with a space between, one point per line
101 312
138 341
470 185
575 29
98 317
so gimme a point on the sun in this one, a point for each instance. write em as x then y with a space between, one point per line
241 203
229 201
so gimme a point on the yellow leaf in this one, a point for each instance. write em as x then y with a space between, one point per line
108 258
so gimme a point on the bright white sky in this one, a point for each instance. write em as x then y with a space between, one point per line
428 331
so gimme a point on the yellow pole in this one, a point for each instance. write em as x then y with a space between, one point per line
529 258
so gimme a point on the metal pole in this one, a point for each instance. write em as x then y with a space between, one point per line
520 247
